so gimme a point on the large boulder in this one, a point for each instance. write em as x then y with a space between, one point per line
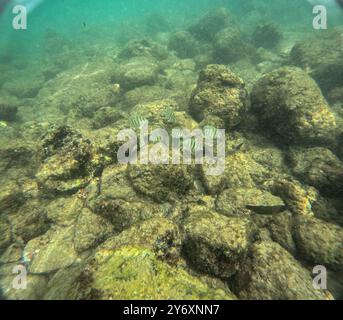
229 45
136 273
289 103
184 44
271 273
318 167
219 93
210 24
319 242
136 72
69 162
325 66
114 199
215 244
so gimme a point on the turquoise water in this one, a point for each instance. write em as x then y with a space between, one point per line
80 224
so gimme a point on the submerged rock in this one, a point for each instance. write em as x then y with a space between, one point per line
143 48
136 72
324 65
267 36
106 116
114 198
210 24
271 273
320 168
215 244
319 242
135 273
161 182
184 44
219 93
51 252
235 202
8 112
289 103
90 230
157 234
70 162
229 46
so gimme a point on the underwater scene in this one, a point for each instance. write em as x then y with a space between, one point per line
171 150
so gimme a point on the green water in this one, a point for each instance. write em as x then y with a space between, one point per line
79 224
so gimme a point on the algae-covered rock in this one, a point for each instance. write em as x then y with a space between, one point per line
106 116
135 273
29 222
297 199
158 234
63 211
271 273
161 183
229 45
115 199
51 252
6 236
8 112
319 242
25 84
210 24
241 171
267 36
145 94
240 201
136 72
320 168
219 93
184 44
215 244
279 227
11 196
289 103
90 230
325 66
143 48
77 92
69 164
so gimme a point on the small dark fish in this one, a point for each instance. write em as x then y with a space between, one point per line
84 24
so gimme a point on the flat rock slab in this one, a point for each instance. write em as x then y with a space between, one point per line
50 252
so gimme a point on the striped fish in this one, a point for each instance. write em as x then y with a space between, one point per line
210 132
194 144
136 120
169 115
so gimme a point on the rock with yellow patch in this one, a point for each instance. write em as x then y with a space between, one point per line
135 273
